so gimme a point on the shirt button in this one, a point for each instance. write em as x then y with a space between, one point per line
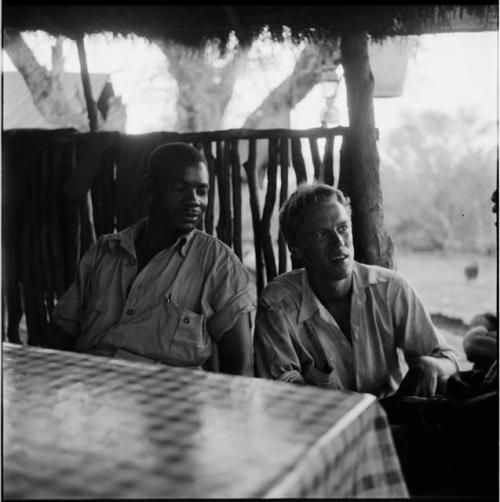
130 311
186 320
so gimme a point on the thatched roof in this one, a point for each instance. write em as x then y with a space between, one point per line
192 24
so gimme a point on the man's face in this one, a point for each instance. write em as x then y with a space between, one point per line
179 196
324 241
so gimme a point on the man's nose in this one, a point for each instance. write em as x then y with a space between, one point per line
191 196
335 238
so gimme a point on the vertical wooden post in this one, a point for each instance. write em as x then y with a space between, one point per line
87 89
88 229
359 171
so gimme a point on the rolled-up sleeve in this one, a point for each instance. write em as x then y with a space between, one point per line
414 330
275 355
67 312
229 296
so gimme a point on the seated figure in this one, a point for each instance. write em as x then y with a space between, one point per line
162 290
481 341
340 324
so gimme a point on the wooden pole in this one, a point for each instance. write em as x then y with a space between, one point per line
359 170
87 89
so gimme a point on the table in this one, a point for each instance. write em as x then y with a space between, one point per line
82 426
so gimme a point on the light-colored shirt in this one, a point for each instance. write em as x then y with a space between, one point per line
173 311
298 340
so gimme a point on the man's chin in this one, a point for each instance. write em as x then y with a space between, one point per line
187 226
340 271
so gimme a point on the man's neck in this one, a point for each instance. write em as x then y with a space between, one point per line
158 236
331 291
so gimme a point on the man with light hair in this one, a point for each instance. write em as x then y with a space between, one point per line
162 290
340 324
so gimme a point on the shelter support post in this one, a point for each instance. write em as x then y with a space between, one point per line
359 168
87 90
88 235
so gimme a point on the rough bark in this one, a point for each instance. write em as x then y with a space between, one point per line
274 111
46 87
305 75
48 91
204 88
359 175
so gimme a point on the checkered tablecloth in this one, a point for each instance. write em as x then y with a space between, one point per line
80 426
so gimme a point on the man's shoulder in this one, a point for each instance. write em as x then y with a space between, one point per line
212 250
374 275
284 291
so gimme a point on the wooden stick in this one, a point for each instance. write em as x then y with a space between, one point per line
71 224
298 163
250 167
236 187
224 184
87 89
55 221
209 216
284 161
46 261
328 161
265 225
313 144
228 134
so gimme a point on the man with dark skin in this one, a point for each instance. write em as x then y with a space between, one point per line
338 323
161 290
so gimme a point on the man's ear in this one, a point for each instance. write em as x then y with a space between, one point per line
296 251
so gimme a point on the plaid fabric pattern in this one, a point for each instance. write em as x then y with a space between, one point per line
80 426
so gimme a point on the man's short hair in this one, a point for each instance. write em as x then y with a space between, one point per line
303 199
172 154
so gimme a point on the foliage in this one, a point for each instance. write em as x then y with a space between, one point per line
438 174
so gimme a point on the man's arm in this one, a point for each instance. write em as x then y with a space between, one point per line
275 354
236 348
427 376
430 359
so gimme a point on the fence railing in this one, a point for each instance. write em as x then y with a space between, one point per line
62 189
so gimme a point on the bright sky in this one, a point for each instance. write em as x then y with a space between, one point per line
447 72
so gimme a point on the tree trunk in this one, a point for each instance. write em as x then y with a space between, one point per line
274 111
305 75
48 91
359 175
204 88
46 88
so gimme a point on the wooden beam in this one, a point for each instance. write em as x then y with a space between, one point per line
87 89
359 168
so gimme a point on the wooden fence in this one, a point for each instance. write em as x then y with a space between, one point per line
62 189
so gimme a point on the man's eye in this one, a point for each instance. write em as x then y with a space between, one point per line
202 191
177 186
343 229
320 235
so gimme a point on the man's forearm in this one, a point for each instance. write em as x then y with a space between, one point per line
236 349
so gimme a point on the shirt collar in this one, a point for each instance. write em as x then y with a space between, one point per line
363 276
309 302
127 237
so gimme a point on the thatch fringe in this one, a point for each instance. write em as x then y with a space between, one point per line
193 25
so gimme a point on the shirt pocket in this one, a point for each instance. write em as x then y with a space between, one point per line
190 344
92 312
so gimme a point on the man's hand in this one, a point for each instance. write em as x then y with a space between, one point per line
426 377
